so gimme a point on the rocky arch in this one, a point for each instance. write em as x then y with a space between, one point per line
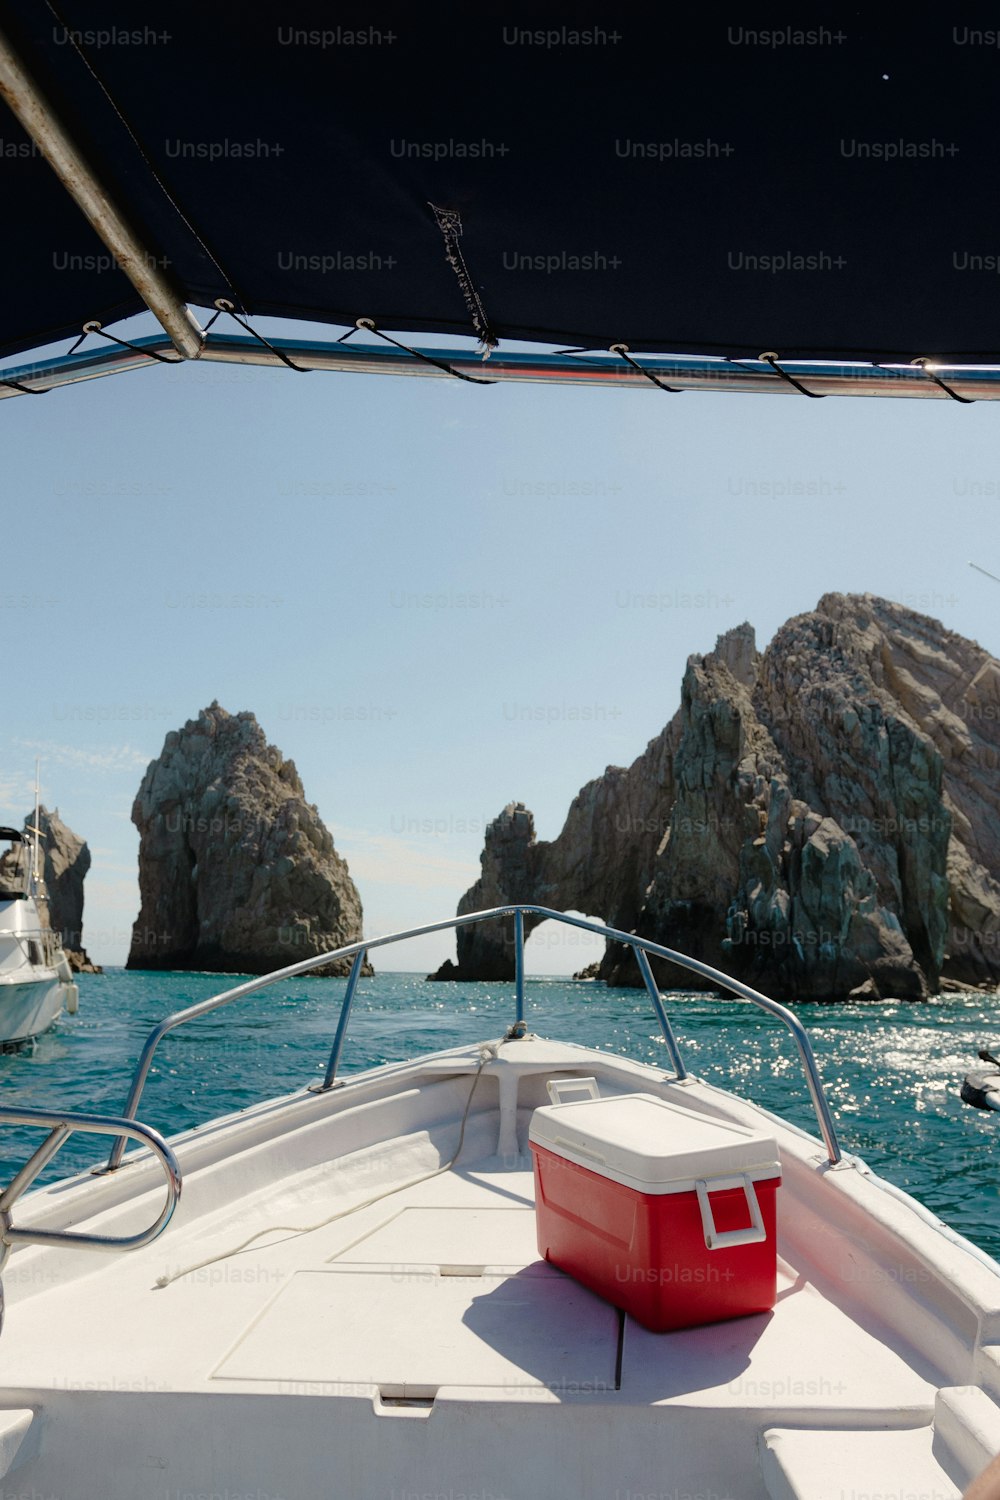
819 820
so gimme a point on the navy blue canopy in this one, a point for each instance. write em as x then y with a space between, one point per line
654 175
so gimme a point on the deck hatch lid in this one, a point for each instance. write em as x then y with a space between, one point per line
338 1332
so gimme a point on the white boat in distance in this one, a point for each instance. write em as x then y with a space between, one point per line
36 981
349 1300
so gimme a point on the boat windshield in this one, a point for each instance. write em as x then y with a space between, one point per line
13 865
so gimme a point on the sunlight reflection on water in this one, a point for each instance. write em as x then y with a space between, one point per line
892 1072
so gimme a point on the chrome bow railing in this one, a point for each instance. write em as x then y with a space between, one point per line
643 949
61 1126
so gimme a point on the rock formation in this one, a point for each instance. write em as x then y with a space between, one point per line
819 820
592 971
237 872
65 862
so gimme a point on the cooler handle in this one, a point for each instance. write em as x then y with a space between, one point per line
713 1239
578 1088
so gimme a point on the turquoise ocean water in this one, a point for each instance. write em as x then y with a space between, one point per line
892 1072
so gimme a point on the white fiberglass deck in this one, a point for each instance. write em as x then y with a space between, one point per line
418 1345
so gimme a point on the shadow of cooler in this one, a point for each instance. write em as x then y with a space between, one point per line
667 1213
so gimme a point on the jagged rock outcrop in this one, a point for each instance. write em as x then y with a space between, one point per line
65 862
237 872
827 817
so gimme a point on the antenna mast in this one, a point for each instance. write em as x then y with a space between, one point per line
35 836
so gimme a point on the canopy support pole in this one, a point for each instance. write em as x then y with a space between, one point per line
143 270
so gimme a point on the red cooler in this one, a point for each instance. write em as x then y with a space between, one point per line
665 1212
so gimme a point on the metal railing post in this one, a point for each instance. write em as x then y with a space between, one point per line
345 1016
37 1163
519 964
135 1092
661 1015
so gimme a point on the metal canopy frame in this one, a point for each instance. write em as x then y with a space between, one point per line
143 269
686 372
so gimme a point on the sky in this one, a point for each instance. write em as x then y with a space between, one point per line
436 598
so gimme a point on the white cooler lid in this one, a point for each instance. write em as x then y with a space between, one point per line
648 1144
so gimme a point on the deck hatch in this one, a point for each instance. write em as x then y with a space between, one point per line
343 1331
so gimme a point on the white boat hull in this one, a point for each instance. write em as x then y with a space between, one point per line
412 1342
36 981
29 1007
